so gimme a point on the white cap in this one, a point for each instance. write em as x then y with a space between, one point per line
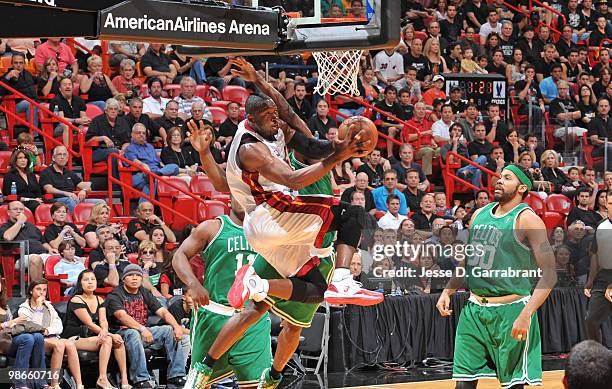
438 77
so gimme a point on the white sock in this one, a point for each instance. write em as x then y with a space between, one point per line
341 273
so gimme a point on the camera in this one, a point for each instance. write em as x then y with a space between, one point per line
67 73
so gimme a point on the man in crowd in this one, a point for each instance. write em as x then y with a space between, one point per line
412 192
103 233
154 105
171 117
480 147
496 128
373 168
129 306
391 219
298 102
62 183
581 211
440 129
140 229
407 162
228 128
433 31
490 26
370 224
24 82
506 40
452 25
389 187
544 67
425 216
361 185
468 122
418 129
154 131
108 271
144 155
388 67
564 113
62 54
187 98
455 100
70 107
389 126
482 199
600 128
548 86
17 228
155 63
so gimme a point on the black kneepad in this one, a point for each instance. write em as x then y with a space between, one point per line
351 225
310 288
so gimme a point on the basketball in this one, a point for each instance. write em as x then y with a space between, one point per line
361 123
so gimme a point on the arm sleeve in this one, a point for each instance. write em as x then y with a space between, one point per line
311 147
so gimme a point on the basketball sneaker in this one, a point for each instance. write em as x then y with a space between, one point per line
267 382
349 291
198 376
247 286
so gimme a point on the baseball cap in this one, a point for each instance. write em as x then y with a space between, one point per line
438 77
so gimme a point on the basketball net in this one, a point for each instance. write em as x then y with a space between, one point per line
338 71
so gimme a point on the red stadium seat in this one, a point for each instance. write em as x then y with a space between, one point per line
235 93
169 194
93 111
54 290
82 212
559 203
536 203
5 157
211 209
202 186
218 114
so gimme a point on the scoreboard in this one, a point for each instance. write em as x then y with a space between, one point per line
480 89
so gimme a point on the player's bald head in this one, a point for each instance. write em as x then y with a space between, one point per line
255 104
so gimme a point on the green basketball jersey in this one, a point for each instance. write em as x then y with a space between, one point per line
500 260
225 254
323 186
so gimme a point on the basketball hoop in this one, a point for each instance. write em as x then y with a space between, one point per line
338 71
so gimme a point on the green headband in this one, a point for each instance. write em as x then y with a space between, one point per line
520 175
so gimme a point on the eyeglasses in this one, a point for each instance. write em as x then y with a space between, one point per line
149 252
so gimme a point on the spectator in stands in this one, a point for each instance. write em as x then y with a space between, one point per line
61 230
545 68
531 47
389 187
99 216
154 132
452 24
343 176
158 237
187 66
122 50
601 204
24 82
418 130
424 217
108 271
389 126
407 162
480 146
97 85
528 90
589 365
40 311
187 98
140 229
28 349
70 107
550 172
170 117
70 265
418 61
85 309
20 178
53 48
154 105
406 109
456 144
468 65
361 185
18 228
549 85
412 192
125 82
298 102
129 307
435 92
581 245
392 218
557 237
151 269
564 113
184 156
454 57
456 102
144 155
600 87
600 128
155 63
581 211
587 179
481 199
48 82
96 255
218 74
572 68
601 32
512 147
440 206
440 129
373 168
62 183
433 52
388 67
321 122
228 128
490 26
469 121
565 43
587 105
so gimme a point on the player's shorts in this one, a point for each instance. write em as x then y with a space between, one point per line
285 229
298 314
485 348
247 359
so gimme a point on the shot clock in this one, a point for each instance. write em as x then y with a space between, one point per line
480 89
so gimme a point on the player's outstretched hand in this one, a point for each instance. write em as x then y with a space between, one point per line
520 328
245 70
199 137
351 144
199 294
443 305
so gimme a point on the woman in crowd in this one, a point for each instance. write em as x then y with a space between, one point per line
343 176
515 70
440 13
408 36
40 311
184 156
608 180
601 203
512 147
599 87
564 268
169 285
62 230
526 160
321 122
557 237
491 44
433 53
49 83
158 236
551 173
28 349
587 104
125 83
151 267
406 231
100 215
97 85
70 264
369 85
87 326
26 142
22 181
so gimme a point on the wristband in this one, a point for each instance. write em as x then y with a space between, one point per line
112 266
5 324
142 329
145 272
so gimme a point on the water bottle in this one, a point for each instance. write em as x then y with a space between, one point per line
13 188
56 110
316 134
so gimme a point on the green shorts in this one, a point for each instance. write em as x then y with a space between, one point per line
485 348
298 314
247 359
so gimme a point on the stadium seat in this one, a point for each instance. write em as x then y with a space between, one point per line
235 93
559 203
54 289
587 150
202 186
93 111
211 209
5 157
173 90
218 114
168 194
81 213
536 203
43 215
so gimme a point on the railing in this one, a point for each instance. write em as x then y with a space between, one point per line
44 109
518 9
152 177
451 167
73 41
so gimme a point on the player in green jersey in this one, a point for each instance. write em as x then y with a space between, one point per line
498 334
224 250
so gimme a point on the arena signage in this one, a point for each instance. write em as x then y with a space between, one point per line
171 22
